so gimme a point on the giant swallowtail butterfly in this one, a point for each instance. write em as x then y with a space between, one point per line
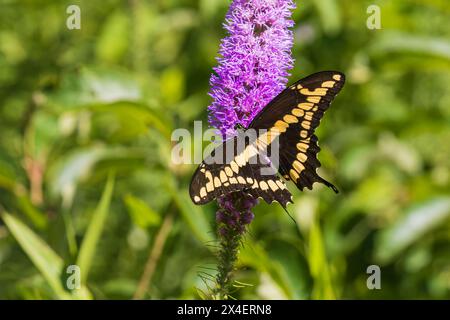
289 121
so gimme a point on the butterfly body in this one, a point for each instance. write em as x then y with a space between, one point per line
280 139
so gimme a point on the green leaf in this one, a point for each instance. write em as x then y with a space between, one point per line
254 255
141 214
94 231
113 41
7 181
91 86
49 264
76 166
411 227
320 270
172 85
38 218
330 15
192 214
293 268
125 120
411 43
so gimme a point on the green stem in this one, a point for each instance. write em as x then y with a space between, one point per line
233 216
227 256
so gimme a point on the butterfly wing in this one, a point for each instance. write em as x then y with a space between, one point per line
243 171
296 113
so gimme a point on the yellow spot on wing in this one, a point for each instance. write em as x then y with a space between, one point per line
298 166
290 119
298 112
294 175
303 133
216 182
209 184
305 105
308 116
240 159
270 135
281 126
203 192
302 157
281 185
316 92
249 152
223 176
263 185
314 99
234 166
306 124
196 198
241 180
272 185
328 84
337 77
302 147
228 171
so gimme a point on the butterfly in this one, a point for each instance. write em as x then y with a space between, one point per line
289 121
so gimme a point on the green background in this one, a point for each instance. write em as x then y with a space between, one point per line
85 173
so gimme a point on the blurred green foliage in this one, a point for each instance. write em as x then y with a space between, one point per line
85 173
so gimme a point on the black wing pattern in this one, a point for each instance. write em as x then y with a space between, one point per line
296 113
243 171
290 119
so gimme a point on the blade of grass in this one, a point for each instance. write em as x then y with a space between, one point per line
94 230
319 267
49 264
418 221
153 258
70 232
254 255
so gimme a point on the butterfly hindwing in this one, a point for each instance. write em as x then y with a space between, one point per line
245 172
296 113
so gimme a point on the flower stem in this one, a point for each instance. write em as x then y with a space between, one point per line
232 218
227 256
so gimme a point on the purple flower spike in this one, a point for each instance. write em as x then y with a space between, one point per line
220 216
235 213
254 63
253 69
247 217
